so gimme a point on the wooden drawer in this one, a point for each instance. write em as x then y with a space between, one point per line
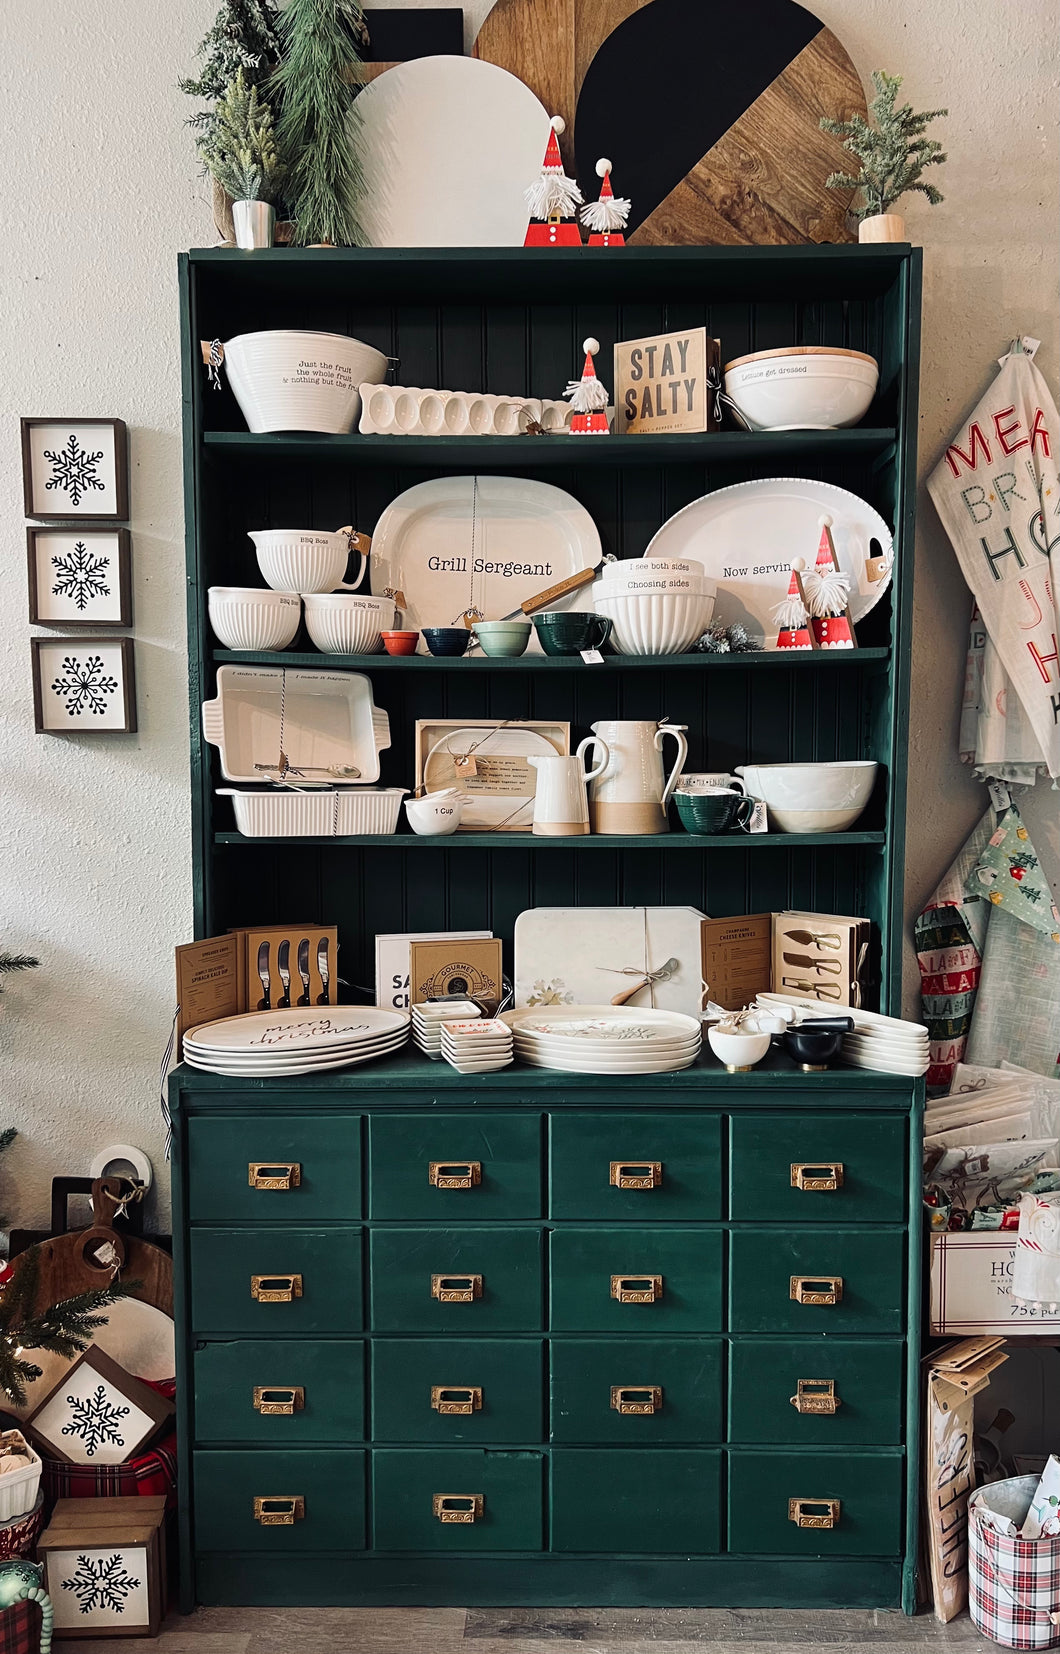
503 1492
636 1500
636 1280
279 1392
492 1390
647 1167
452 1168
306 1280
861 1494
852 1391
863 1270
283 1168
646 1390
322 1491
818 1168
467 1280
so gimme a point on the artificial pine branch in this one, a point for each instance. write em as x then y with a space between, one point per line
893 152
244 37
239 147
64 1329
316 86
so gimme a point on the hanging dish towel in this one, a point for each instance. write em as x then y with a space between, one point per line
995 735
997 491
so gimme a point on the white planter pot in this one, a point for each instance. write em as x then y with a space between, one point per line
254 222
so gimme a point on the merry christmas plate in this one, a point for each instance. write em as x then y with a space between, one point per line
746 536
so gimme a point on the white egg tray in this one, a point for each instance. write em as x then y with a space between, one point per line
407 410
321 813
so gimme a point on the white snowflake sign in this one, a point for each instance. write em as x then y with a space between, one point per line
104 1565
83 684
97 1414
75 468
79 576
94 1588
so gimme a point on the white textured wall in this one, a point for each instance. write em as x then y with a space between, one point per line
101 192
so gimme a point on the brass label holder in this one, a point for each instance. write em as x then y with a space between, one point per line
275 1289
816 1289
456 1289
815 1395
817 1176
454 1174
274 1174
636 1174
814 1513
458 1507
636 1399
278 1400
279 1510
637 1289
456 1398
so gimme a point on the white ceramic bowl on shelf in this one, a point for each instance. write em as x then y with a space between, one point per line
287 380
806 387
661 623
811 798
247 617
305 559
649 584
629 573
342 624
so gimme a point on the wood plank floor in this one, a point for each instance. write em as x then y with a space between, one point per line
543 1631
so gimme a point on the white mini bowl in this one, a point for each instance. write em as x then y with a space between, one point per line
286 380
436 815
247 617
660 624
803 388
811 798
738 1050
345 624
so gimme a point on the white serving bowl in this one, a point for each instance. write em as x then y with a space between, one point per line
628 574
802 388
286 380
811 798
305 559
342 624
739 1050
647 584
658 624
247 617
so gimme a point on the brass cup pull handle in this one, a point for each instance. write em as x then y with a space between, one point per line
275 1289
814 1513
636 1174
279 1510
278 1400
638 1399
454 1174
637 1289
274 1174
458 1507
815 1395
456 1398
817 1176
816 1289
456 1289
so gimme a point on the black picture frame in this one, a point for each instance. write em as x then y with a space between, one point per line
39 645
36 508
35 537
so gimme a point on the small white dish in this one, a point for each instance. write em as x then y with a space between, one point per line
247 617
738 1051
436 815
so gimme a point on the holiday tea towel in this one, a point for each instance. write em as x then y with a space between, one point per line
997 491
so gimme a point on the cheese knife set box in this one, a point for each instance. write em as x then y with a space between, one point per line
822 955
270 968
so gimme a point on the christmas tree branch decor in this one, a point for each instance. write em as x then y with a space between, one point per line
243 37
239 147
893 152
316 86
65 1329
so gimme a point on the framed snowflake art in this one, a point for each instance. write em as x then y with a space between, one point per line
79 576
83 684
104 1566
97 1413
75 468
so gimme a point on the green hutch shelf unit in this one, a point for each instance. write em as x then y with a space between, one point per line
673 1355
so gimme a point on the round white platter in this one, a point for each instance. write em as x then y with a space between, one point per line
298 1029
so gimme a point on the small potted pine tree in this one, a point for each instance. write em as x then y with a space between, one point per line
892 153
239 150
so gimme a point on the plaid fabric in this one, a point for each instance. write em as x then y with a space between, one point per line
20 1628
152 1472
1013 1587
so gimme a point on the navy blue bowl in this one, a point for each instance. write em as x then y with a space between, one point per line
447 640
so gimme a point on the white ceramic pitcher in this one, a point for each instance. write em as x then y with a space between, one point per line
561 808
632 793
310 559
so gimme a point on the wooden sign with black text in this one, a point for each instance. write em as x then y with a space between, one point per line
667 383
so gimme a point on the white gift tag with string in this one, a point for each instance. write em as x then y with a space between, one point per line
592 657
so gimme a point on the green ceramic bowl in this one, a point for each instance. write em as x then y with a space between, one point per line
723 811
503 639
569 632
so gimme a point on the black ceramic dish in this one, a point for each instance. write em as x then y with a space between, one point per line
814 1046
446 640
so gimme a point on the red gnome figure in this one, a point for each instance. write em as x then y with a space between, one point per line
552 199
606 218
827 590
792 617
588 398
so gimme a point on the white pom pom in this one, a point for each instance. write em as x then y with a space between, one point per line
798 563
603 167
558 124
824 520
590 346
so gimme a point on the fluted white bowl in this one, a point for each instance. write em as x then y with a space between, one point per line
347 625
287 380
247 617
631 570
659 624
648 583
305 559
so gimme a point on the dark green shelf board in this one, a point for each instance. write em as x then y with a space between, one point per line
588 841
520 453
802 658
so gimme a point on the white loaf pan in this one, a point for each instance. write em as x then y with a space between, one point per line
317 814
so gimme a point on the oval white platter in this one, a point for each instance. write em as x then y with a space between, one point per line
571 1065
746 536
484 542
254 1064
298 1029
552 1019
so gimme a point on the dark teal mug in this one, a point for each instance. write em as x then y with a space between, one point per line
723 811
568 634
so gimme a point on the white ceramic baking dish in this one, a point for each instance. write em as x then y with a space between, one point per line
326 724
323 813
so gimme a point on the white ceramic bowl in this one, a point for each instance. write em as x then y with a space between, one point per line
802 389
246 617
738 1050
647 583
436 815
286 380
343 624
811 798
659 624
305 559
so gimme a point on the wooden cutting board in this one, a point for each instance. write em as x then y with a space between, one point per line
741 158
549 45
66 1266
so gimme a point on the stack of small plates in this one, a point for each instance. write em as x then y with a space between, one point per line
282 1044
477 1047
427 1022
886 1044
604 1039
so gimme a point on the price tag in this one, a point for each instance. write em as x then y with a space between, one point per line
465 766
1000 797
592 657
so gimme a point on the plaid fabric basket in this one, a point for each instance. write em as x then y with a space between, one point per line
1013 1584
20 1628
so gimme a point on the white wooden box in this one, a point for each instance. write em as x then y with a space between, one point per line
971 1286
587 955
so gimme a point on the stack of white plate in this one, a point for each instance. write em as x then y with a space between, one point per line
604 1039
427 1022
886 1044
477 1047
282 1044
656 608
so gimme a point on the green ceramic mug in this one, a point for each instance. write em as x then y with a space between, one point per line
568 633
721 811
